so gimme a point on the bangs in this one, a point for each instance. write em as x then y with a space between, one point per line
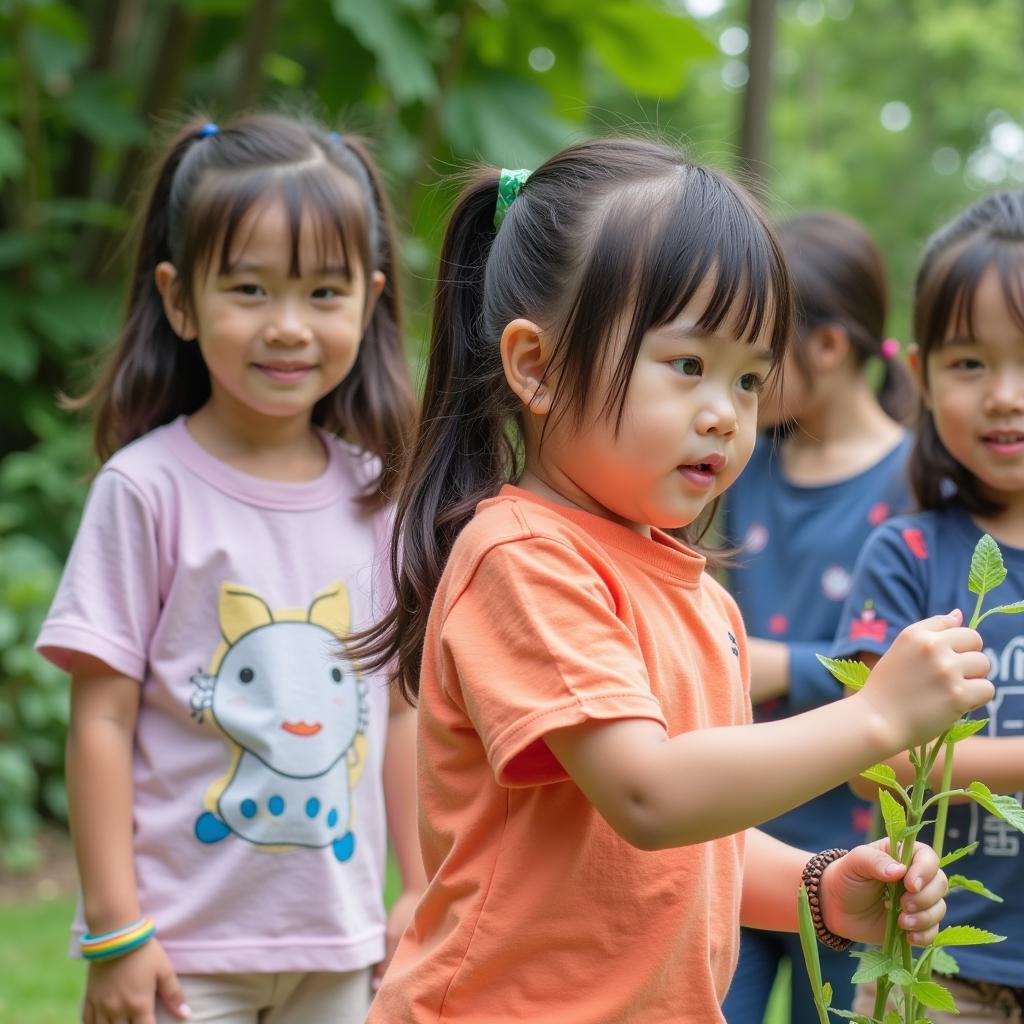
946 302
655 249
315 189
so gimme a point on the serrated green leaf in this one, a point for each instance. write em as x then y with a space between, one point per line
959 882
934 996
987 569
966 935
1003 609
944 962
1005 807
873 964
901 976
894 815
882 774
963 851
964 728
852 674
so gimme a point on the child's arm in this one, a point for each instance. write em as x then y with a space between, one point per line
852 890
400 801
104 709
998 761
659 792
769 669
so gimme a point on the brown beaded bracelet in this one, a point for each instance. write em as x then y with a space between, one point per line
813 871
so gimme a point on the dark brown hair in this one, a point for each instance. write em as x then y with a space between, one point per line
988 234
606 234
839 278
203 188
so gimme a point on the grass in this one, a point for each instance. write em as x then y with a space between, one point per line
42 985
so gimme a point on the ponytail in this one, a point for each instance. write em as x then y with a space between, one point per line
140 385
463 452
897 394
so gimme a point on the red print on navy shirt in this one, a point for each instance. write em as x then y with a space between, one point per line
862 819
878 513
777 624
915 541
869 626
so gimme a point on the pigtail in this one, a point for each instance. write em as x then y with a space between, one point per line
897 394
375 403
141 383
462 452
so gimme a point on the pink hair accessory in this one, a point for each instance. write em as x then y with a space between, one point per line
890 349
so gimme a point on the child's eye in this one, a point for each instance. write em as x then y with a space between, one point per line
325 292
688 366
751 382
251 290
968 363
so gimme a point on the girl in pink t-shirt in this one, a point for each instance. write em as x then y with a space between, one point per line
228 764
602 330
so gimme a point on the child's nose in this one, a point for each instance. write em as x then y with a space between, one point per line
1007 393
288 327
718 416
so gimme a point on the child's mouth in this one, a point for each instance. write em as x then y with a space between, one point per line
702 474
1004 442
287 373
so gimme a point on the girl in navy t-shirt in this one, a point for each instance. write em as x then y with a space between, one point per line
967 470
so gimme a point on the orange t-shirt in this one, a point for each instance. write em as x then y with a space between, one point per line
537 910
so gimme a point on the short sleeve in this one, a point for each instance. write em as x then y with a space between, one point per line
888 591
536 642
108 600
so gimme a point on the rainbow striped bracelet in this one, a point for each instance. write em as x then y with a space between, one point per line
114 944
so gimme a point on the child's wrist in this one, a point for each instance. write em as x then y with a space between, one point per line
117 942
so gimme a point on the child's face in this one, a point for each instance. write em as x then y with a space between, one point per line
275 344
688 426
975 390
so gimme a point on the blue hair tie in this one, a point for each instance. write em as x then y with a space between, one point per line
335 138
208 129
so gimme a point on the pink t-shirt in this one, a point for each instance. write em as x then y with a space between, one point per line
259 813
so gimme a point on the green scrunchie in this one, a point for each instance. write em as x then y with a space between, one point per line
510 184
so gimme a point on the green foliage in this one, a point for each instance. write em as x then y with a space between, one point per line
852 674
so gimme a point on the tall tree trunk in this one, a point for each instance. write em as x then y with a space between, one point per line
755 128
161 93
259 30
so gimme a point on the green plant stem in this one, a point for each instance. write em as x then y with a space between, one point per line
896 944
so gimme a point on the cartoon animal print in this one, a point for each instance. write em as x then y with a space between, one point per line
295 714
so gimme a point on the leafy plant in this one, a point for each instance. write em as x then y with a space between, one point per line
894 968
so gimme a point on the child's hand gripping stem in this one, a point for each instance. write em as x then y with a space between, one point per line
904 809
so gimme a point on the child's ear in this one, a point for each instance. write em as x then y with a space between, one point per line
917 372
175 309
827 347
526 354
377 282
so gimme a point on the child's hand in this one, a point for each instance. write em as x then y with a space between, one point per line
124 991
853 887
399 919
933 673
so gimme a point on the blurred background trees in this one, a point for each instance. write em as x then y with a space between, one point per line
896 113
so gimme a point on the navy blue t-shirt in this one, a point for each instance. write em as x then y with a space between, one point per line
799 545
911 568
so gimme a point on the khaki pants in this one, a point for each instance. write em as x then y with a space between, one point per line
286 998
979 1003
